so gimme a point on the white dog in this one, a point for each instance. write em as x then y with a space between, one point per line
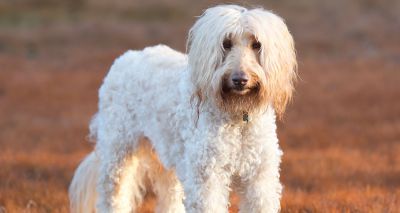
193 127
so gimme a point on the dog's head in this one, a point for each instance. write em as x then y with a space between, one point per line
242 60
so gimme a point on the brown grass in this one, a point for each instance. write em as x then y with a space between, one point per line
341 136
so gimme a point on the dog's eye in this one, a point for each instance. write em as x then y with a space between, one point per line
256 45
227 44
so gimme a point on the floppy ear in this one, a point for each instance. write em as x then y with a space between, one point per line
204 45
204 52
278 57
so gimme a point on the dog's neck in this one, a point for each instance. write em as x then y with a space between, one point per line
243 116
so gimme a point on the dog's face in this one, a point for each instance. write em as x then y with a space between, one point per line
242 60
239 81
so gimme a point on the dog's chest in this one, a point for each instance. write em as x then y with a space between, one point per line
239 152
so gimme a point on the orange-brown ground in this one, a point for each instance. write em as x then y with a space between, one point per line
341 135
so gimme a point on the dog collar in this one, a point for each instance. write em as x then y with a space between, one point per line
246 117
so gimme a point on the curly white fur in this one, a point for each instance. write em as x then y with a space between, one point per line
175 122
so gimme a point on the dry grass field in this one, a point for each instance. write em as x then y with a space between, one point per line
340 137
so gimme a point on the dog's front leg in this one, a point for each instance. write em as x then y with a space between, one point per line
206 184
262 190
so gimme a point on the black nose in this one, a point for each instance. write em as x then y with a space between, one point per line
240 79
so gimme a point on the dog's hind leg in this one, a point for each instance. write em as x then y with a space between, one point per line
121 185
164 182
169 193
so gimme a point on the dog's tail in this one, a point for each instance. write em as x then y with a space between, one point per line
82 191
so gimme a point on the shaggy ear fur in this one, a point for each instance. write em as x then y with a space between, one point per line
278 56
204 45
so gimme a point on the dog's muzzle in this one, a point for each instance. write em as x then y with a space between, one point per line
238 83
239 80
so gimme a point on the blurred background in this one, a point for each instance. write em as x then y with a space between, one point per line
340 137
